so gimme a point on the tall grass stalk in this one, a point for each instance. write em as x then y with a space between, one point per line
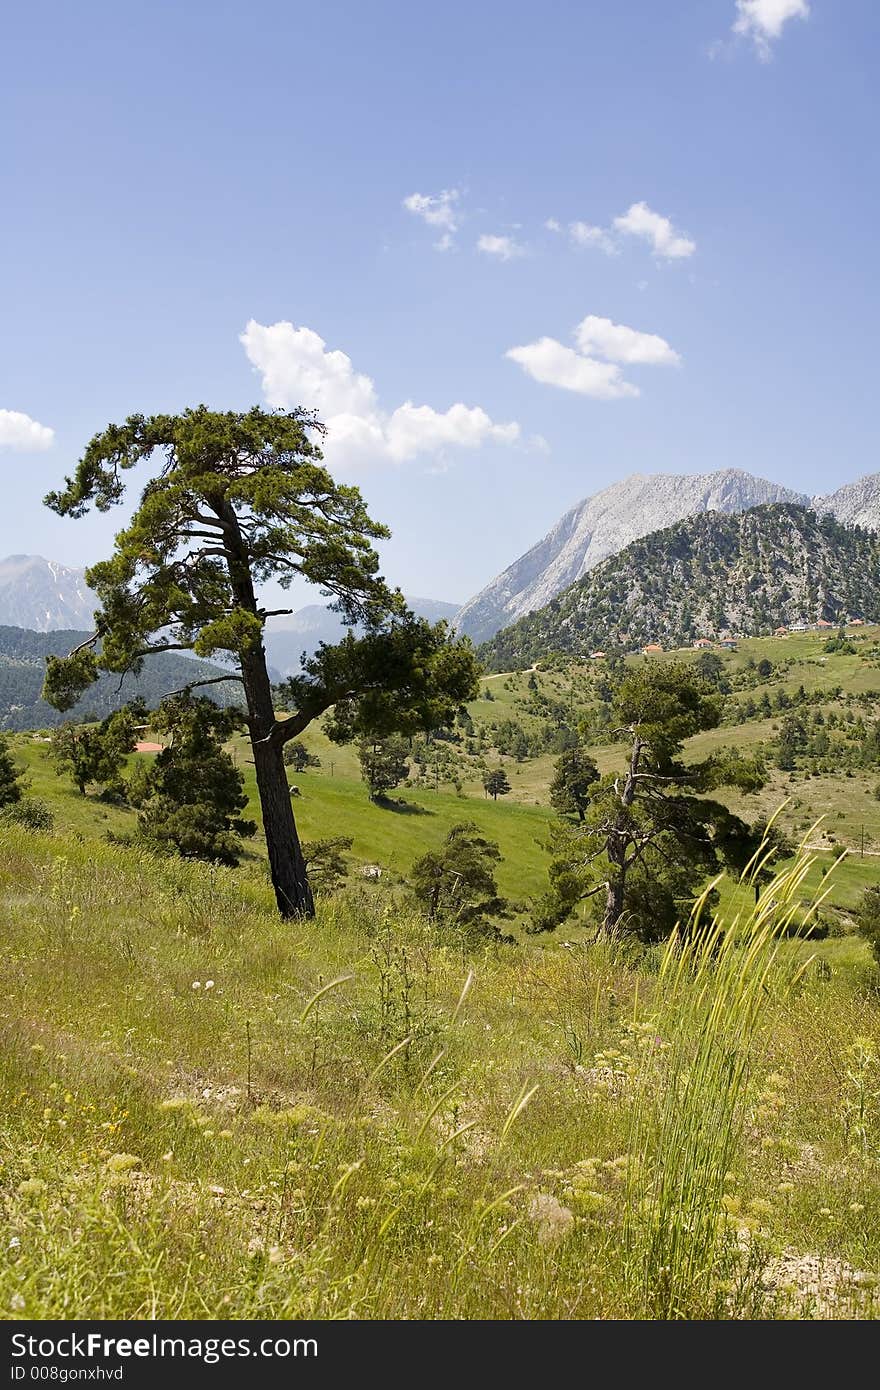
715 980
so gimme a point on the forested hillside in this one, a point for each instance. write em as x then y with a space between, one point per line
22 665
772 566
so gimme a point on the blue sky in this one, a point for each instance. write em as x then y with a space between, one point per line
176 172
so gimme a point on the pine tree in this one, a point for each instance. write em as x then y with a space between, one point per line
10 777
496 783
192 796
384 764
456 884
651 836
235 501
574 775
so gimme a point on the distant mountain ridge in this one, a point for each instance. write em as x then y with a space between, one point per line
43 595
23 655
605 523
288 639
748 573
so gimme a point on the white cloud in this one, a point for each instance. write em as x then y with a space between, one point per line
762 21
298 370
594 369
617 343
585 234
438 210
554 364
503 248
639 220
20 432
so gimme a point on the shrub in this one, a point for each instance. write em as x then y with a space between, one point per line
31 812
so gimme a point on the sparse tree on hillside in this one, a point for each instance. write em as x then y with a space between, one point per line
234 501
868 919
384 764
495 783
651 836
574 776
709 667
456 884
297 756
10 777
192 797
326 862
96 753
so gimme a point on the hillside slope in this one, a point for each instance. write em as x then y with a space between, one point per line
22 667
604 525
749 573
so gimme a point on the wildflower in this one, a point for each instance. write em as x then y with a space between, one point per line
31 1187
824 1211
122 1163
196 984
17 1303
856 1207
785 1187
14 1243
255 1247
364 1202
760 1208
209 984
166 1158
275 1256
552 1219
225 1134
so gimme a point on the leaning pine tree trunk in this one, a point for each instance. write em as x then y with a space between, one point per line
287 866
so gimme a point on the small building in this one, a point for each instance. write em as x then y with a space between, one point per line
855 622
703 642
781 632
823 624
596 656
798 627
651 648
728 644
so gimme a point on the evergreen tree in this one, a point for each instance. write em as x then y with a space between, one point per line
868 919
651 836
574 775
193 794
326 862
10 777
384 764
96 753
235 501
456 884
790 743
297 756
495 783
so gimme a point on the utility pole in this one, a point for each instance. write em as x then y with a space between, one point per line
863 841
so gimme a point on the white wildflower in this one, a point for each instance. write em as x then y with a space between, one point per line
553 1220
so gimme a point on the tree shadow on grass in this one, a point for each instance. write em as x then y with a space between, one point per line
402 808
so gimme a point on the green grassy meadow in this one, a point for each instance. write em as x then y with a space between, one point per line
207 1112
